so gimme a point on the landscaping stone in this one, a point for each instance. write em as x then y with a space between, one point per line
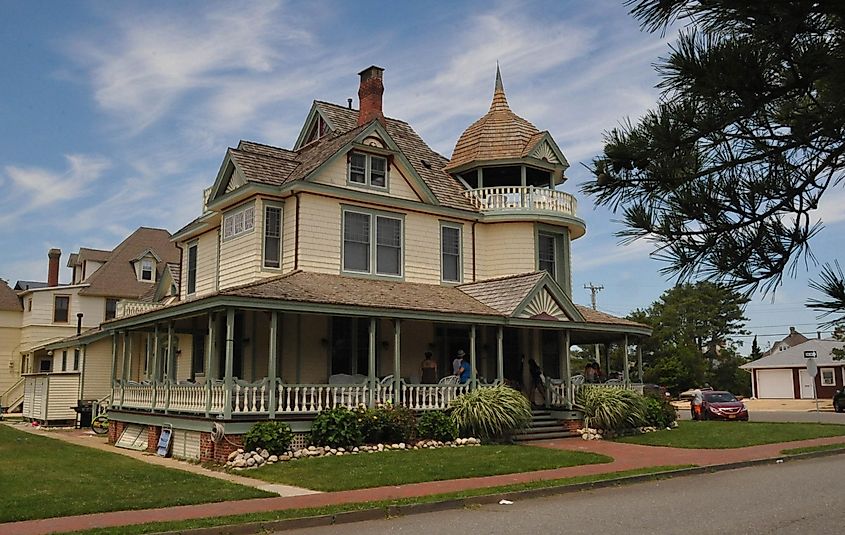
273 459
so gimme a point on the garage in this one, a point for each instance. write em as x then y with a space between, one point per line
775 384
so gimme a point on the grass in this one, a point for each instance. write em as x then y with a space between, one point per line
415 466
722 435
271 516
43 478
812 449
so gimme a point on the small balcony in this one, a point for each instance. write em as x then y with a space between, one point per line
510 199
133 308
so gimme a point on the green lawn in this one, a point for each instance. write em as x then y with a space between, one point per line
813 449
158 527
414 466
720 435
42 477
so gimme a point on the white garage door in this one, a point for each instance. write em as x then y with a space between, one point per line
775 384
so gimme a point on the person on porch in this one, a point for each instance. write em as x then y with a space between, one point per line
538 382
456 364
428 369
464 371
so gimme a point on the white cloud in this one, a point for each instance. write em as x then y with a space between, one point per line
598 255
831 208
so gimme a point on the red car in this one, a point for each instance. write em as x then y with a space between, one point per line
721 405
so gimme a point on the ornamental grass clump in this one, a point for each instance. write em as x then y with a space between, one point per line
610 409
491 413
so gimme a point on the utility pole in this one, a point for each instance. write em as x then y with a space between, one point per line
593 291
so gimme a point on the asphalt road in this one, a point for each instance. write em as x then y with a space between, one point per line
802 497
787 416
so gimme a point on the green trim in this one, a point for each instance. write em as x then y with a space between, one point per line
368 154
227 168
198 423
230 212
576 226
547 137
562 257
460 229
243 193
280 204
309 122
547 283
73 341
505 162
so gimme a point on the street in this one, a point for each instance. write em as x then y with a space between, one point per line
786 416
792 497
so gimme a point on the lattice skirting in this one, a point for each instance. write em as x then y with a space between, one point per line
300 440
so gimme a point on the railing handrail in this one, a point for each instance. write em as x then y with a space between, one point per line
18 385
500 198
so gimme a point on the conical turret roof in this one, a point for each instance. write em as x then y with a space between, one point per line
499 135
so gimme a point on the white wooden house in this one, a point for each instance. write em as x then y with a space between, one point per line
319 275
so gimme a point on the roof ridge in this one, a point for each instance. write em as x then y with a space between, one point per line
346 108
261 144
261 154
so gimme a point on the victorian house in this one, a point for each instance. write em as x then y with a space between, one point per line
320 275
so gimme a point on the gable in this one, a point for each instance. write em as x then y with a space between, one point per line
316 125
234 181
545 152
544 306
544 148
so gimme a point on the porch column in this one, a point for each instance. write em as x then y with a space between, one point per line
147 349
271 362
209 350
168 363
230 357
371 363
500 354
473 373
606 360
567 369
113 360
127 355
626 377
397 362
640 359
154 366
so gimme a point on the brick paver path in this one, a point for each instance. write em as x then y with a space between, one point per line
626 457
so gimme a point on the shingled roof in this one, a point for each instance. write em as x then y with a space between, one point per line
117 277
8 298
503 293
330 289
499 135
596 316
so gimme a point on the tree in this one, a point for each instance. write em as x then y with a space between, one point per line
692 326
755 350
749 133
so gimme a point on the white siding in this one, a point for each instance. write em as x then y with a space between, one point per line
10 361
505 249
206 264
319 234
97 368
398 184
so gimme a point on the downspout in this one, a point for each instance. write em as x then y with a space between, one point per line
82 370
473 250
296 235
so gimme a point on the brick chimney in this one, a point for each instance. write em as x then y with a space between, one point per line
53 267
370 93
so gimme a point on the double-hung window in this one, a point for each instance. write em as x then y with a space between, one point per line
372 243
367 170
828 378
272 237
146 270
111 309
450 253
192 268
61 304
547 253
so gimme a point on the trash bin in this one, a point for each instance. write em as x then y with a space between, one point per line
84 408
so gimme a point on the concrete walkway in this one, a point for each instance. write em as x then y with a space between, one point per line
87 438
626 457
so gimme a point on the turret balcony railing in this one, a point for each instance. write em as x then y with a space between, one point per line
133 308
522 198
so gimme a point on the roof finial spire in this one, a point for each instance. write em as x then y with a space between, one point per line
499 100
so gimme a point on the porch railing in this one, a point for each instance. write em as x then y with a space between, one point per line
522 198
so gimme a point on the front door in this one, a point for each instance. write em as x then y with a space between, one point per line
806 385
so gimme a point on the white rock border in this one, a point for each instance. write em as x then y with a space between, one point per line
246 460
588 433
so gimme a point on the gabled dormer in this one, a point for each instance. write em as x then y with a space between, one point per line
145 266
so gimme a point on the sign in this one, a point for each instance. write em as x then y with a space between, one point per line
810 354
812 369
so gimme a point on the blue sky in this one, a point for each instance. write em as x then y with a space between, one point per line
117 115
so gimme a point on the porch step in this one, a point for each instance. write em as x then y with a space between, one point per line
544 427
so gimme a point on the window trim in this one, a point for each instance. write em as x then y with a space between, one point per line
832 376
374 215
460 228
152 270
67 319
368 167
280 207
191 245
231 215
563 254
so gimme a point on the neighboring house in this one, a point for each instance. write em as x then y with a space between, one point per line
783 374
318 276
792 339
10 338
64 356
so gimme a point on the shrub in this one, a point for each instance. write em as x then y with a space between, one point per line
386 424
337 428
657 412
491 413
437 425
610 408
274 437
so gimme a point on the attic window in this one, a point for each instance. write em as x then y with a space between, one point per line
367 170
146 270
318 130
239 222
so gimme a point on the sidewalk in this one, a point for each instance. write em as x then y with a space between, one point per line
627 457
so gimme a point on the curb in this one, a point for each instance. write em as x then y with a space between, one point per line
390 511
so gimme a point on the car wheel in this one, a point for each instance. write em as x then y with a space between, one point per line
838 406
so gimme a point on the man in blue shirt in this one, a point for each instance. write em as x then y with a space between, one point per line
465 371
